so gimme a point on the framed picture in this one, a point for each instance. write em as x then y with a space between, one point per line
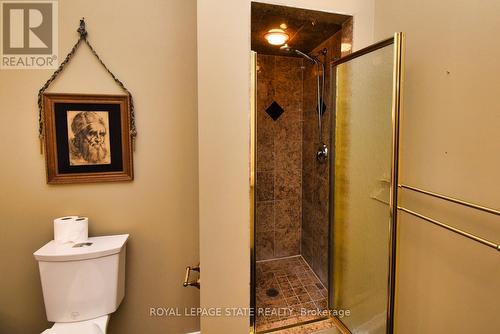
87 138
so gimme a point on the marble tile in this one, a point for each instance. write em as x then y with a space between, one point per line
286 286
287 130
265 67
322 263
293 301
288 293
265 186
264 245
309 328
287 242
288 184
288 76
309 128
304 298
314 292
286 149
279 143
266 129
300 290
321 304
287 297
321 168
306 245
288 213
309 186
319 261
265 156
264 216
264 281
288 155
323 192
315 175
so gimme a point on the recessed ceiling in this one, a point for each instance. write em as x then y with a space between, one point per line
306 28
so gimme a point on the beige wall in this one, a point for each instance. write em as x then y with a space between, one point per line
223 131
451 144
224 125
151 45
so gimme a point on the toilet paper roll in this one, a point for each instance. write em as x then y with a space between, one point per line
81 232
71 229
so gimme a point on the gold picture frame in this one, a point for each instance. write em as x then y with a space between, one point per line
87 138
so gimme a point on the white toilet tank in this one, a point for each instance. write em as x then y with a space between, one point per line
82 281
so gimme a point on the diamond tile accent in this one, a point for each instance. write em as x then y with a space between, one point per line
275 110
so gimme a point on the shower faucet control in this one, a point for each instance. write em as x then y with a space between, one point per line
322 154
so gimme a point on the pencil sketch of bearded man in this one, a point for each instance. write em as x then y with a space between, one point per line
88 135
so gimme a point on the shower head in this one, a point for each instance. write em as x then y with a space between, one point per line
322 154
287 48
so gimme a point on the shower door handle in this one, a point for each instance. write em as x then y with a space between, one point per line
187 282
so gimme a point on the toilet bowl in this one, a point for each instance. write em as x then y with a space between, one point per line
92 326
82 283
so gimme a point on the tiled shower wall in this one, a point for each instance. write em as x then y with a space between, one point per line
315 175
292 189
279 158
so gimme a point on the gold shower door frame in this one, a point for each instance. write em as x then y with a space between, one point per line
398 77
253 158
398 41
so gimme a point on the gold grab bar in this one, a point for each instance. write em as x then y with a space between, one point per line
451 199
453 229
186 277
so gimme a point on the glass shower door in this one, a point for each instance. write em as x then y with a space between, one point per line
364 178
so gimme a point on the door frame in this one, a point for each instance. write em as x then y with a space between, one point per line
398 40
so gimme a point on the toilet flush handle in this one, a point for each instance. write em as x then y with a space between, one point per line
188 273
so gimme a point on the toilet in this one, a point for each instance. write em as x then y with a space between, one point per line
82 283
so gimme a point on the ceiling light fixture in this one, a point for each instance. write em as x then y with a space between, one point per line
276 36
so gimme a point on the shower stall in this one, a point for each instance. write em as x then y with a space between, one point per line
324 134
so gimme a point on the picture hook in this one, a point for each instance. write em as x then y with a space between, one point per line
82 29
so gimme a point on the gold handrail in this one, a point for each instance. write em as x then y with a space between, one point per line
453 229
452 199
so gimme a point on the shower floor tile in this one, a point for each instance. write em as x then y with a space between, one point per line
309 328
287 293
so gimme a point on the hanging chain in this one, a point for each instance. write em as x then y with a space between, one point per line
133 130
83 38
41 124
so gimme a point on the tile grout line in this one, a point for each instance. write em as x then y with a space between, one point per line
278 258
273 83
312 300
319 280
